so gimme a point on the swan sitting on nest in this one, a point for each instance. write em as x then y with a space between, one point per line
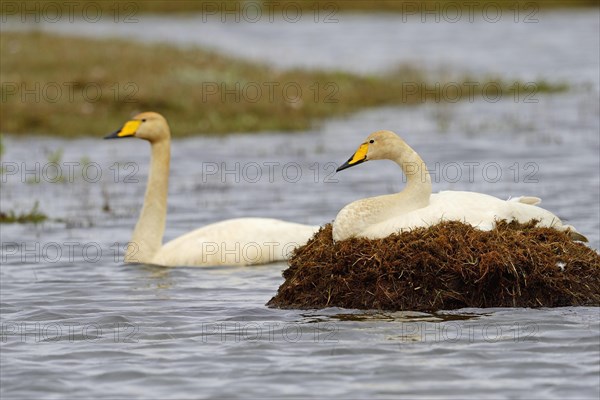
415 206
241 241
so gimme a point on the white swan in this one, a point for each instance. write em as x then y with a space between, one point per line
242 241
415 206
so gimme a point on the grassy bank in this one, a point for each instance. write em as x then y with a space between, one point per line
410 6
127 8
69 86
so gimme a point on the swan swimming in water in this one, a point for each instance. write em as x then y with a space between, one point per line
241 241
415 206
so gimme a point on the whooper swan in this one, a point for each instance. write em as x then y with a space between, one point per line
242 241
415 206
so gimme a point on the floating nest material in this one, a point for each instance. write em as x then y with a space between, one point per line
450 265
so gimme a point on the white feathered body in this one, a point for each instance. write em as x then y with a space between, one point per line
477 209
235 242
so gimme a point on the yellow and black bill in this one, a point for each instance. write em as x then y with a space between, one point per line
128 130
358 157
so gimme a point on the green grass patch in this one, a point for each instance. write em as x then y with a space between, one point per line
34 216
69 86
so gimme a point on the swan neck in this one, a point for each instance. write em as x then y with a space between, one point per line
147 236
418 180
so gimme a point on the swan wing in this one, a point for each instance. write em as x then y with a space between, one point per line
477 209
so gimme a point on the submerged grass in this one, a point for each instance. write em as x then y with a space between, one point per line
448 266
33 216
68 86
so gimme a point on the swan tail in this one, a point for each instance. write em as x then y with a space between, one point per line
572 232
574 235
531 200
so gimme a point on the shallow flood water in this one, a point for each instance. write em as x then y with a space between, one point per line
76 322
91 326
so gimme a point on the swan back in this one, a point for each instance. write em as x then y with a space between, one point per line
236 242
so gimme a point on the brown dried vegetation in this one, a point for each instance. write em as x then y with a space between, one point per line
447 266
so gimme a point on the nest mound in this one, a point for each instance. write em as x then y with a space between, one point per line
447 266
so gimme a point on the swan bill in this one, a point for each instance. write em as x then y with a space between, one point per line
358 157
128 130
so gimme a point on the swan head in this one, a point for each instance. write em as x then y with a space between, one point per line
149 126
376 147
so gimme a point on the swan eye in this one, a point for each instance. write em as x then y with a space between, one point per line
144 120
371 141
